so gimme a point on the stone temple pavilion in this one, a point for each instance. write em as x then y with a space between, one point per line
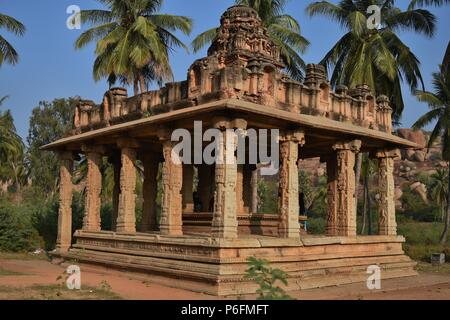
239 85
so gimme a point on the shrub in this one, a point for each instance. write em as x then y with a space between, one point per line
316 225
260 271
16 230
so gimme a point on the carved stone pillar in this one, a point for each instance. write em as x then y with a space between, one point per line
149 190
346 209
172 179
224 224
91 221
188 187
387 224
288 201
117 164
64 239
332 194
126 220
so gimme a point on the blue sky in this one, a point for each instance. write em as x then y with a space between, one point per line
50 68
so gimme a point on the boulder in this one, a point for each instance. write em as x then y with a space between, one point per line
420 155
420 189
417 137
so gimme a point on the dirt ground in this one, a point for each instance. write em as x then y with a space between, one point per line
40 279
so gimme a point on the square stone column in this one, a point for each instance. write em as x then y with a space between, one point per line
64 240
172 179
332 196
149 190
225 224
126 220
386 200
288 201
346 209
91 221
188 188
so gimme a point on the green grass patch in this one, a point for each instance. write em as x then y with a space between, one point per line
428 267
22 256
422 239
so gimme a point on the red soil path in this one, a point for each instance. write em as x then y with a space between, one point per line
130 286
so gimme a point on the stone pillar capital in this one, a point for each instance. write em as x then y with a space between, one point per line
387 153
354 145
297 136
221 123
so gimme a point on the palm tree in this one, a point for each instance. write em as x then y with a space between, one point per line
439 189
375 56
439 102
7 51
283 29
133 41
11 149
421 3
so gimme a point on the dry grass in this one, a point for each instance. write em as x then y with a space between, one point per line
55 292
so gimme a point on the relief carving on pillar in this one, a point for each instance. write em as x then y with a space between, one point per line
346 210
64 237
288 201
91 221
171 215
386 198
126 221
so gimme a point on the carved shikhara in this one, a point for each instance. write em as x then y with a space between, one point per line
171 216
126 220
345 224
91 221
64 239
386 203
288 201
225 223
149 192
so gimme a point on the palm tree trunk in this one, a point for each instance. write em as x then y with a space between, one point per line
136 86
142 85
444 235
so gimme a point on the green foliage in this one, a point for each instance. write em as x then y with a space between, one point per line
266 277
133 41
7 51
316 225
415 208
48 123
422 239
16 230
268 196
375 56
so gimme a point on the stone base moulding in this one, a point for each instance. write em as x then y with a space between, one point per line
217 267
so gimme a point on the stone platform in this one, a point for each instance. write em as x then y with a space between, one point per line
217 267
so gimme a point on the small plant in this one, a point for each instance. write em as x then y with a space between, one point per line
266 277
105 286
